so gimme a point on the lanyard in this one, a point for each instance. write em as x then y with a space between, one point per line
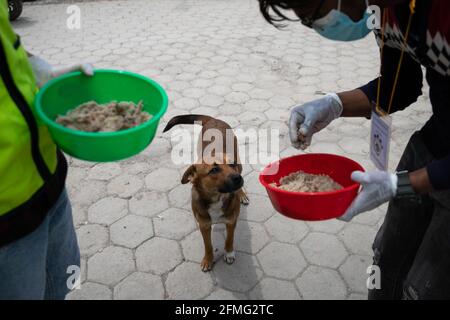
412 7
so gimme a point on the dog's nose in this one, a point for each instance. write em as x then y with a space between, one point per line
236 179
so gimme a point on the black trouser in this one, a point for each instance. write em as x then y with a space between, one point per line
412 247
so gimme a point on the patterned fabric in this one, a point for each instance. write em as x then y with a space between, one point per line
438 54
434 50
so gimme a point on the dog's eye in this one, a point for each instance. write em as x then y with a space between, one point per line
214 170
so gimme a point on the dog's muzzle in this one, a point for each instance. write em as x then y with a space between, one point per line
233 183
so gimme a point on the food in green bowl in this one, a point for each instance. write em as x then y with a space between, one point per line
67 92
110 117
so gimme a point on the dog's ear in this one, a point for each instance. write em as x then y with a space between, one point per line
189 174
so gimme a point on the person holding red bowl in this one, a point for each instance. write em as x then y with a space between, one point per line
411 248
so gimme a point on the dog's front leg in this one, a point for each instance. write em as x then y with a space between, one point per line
243 197
229 256
207 261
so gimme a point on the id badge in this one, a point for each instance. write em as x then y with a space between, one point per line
380 140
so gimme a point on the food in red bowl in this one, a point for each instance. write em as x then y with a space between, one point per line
312 206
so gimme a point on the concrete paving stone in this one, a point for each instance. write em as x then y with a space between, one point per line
357 296
321 284
207 74
179 85
202 83
137 168
180 197
253 118
83 270
163 179
107 210
111 265
193 93
259 210
231 109
354 272
158 255
259 105
250 237
221 294
281 102
92 238
358 238
277 114
323 249
242 86
85 193
174 224
211 100
220 90
328 226
140 286
186 103
259 93
284 229
91 291
193 247
252 183
353 129
125 185
79 215
232 121
237 97
131 231
148 204
281 260
75 175
241 276
370 218
209 111
104 171
354 145
274 289
188 282
326 147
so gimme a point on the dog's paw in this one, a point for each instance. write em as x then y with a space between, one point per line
229 257
245 200
206 264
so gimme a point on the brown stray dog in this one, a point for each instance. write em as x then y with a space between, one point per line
216 183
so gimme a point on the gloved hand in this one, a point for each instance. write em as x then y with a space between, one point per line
44 72
378 187
312 117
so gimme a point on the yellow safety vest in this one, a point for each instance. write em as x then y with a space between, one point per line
28 156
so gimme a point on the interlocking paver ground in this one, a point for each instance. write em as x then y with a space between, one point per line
219 58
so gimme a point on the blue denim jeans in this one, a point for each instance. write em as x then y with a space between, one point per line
35 267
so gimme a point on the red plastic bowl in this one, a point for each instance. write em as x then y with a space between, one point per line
306 205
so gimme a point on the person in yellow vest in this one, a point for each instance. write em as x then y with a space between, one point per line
39 254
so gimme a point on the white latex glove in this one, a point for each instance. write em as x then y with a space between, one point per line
44 72
378 187
312 117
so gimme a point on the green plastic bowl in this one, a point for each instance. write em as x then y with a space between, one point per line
71 90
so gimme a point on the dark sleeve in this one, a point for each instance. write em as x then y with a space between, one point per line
409 85
439 173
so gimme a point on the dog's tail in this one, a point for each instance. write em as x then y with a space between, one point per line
187 119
